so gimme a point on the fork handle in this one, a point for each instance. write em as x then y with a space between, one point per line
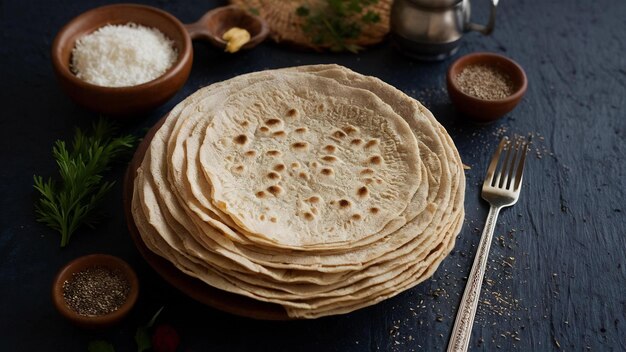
462 331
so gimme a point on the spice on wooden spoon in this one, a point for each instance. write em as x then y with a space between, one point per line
235 38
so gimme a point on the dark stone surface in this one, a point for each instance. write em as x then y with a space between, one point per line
564 242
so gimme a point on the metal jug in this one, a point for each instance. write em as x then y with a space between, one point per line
432 29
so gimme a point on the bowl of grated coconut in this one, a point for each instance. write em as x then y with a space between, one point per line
122 60
485 86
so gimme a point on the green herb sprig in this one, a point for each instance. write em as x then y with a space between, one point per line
142 335
67 204
338 22
142 338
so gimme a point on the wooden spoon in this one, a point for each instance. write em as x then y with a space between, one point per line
214 23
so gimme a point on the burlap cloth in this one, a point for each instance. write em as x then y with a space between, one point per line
286 26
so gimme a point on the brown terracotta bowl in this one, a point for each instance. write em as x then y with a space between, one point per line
122 101
480 110
85 262
216 22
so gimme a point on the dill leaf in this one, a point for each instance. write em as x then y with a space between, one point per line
66 204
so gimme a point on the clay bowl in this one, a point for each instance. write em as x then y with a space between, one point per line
122 101
214 23
480 110
80 264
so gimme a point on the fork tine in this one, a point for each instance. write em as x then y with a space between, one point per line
517 182
494 162
509 166
513 165
498 175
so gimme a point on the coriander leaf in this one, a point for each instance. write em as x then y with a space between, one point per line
142 336
254 11
302 11
355 6
142 339
371 17
353 48
100 346
336 22
338 7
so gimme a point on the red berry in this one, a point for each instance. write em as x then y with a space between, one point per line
165 339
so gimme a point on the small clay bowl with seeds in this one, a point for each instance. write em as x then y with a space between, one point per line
485 86
95 291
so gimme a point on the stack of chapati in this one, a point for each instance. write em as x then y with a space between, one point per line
315 188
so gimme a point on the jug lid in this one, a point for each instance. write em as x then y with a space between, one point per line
436 4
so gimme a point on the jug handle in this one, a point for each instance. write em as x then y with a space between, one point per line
486 30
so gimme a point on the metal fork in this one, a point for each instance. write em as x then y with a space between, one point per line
501 189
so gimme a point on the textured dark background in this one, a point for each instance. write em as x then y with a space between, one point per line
556 275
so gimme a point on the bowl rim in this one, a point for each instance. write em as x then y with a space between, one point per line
63 69
521 90
76 265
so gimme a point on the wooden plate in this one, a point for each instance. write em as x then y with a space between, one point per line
192 287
